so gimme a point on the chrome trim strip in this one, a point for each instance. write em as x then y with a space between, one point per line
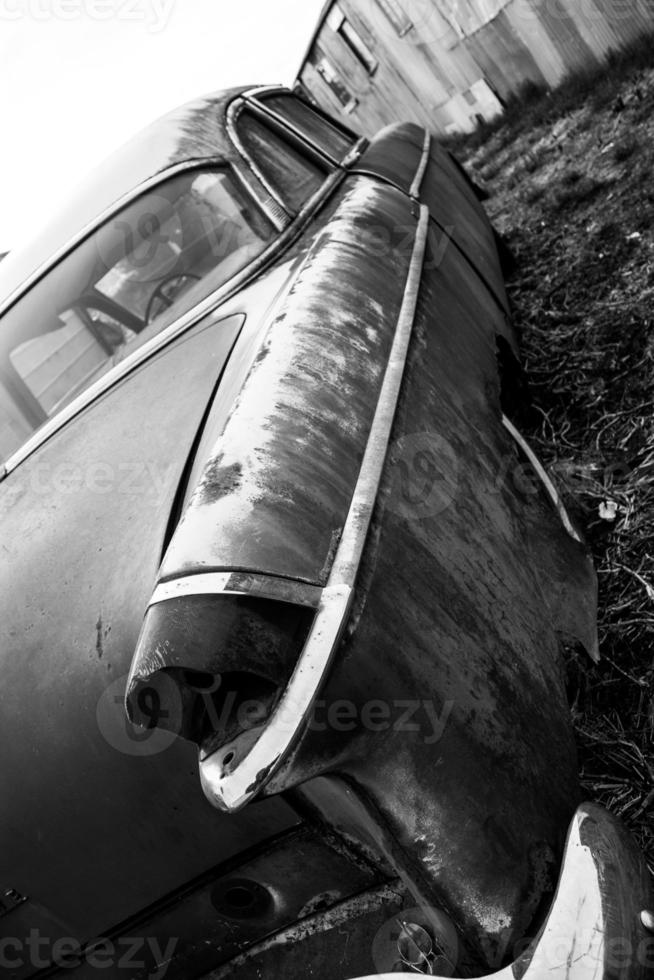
551 490
422 168
213 583
263 112
262 90
278 217
350 550
236 773
233 776
313 205
255 585
270 113
357 151
233 112
253 93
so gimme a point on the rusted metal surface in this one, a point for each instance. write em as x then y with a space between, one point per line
395 155
296 885
593 928
274 493
455 208
487 660
458 610
331 945
456 58
456 620
232 781
276 487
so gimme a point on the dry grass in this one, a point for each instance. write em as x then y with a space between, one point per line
570 189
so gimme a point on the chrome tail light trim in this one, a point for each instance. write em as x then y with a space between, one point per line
232 777
239 583
422 168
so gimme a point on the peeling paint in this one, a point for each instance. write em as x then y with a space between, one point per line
280 478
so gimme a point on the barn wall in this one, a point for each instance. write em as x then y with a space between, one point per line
458 60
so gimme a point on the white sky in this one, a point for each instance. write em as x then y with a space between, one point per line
79 77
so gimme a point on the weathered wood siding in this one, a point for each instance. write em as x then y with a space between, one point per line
461 58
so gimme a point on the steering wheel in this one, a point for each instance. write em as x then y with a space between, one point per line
167 292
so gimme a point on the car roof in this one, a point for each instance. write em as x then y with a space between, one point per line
196 130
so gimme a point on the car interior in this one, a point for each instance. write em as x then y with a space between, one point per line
146 266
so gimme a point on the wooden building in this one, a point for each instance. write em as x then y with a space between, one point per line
449 63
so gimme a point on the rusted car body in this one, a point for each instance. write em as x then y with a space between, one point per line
261 496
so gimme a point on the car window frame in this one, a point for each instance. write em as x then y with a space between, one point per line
287 225
298 140
287 133
314 158
259 98
185 322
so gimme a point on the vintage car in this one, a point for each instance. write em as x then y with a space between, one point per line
285 592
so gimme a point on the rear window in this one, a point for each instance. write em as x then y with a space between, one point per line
325 134
289 172
145 267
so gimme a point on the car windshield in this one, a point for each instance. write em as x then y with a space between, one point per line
146 266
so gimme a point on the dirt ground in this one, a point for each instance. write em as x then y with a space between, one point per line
569 179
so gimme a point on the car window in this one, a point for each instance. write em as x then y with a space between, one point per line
325 134
146 266
290 173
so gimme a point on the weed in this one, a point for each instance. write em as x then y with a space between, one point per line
576 191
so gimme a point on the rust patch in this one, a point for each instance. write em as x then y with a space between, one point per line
98 638
262 776
219 481
282 472
333 546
